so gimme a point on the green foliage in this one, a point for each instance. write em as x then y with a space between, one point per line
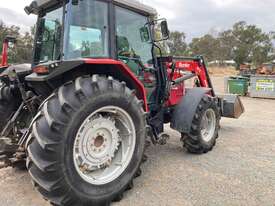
251 44
21 52
176 44
243 43
208 46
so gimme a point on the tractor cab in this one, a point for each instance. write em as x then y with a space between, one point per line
76 29
120 30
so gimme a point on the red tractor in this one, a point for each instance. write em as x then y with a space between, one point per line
98 93
5 47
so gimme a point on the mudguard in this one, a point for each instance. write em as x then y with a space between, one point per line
106 67
184 112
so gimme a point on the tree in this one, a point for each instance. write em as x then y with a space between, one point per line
208 46
249 43
176 44
21 52
24 48
243 43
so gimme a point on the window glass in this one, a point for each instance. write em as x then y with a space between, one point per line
88 30
129 40
49 36
133 50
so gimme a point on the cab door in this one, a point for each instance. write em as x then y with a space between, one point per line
132 50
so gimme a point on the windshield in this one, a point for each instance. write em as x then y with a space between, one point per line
87 32
49 37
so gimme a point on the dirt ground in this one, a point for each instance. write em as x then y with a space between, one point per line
239 171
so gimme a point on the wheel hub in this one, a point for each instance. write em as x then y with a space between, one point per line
104 145
208 125
97 143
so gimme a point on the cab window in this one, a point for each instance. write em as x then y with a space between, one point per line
88 30
130 46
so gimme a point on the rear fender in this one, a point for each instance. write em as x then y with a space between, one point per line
70 70
184 112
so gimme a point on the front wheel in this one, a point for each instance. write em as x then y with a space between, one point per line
88 143
205 127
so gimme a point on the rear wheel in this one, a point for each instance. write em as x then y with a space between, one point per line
205 127
88 142
8 105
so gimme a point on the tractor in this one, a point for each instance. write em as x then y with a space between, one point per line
5 47
98 93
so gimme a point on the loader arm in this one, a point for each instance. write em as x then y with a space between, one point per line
230 105
196 66
5 48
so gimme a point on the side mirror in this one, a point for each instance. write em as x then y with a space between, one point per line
32 8
164 30
144 34
161 31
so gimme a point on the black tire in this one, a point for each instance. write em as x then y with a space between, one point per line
193 142
8 105
50 158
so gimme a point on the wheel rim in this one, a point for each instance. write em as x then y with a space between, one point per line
104 145
208 125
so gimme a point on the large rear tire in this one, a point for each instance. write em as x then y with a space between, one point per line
77 153
8 105
205 127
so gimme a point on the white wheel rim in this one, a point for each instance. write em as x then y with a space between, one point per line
104 145
208 125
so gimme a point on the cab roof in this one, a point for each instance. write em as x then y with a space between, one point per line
131 4
137 6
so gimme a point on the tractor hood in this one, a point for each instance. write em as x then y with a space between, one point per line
38 5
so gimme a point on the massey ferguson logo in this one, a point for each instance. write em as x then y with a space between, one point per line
183 65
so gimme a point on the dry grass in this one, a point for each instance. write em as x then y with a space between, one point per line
222 71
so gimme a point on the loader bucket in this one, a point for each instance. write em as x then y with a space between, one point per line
231 106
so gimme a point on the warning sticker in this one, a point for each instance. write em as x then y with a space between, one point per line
267 85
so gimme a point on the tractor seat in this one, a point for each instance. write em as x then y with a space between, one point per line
123 44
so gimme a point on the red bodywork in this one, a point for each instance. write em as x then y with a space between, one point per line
4 62
176 91
194 67
141 92
181 66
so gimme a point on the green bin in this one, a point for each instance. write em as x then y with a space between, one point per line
238 85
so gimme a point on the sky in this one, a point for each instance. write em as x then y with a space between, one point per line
194 17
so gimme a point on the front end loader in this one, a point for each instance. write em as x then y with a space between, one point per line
5 47
98 93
